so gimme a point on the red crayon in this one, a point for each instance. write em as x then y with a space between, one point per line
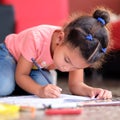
63 111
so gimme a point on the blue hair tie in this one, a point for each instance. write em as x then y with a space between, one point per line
101 20
89 37
104 50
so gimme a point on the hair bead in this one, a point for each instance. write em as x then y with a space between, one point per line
101 20
89 37
104 50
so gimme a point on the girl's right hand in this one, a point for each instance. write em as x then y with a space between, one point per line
49 91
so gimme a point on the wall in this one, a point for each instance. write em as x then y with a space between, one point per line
88 5
29 13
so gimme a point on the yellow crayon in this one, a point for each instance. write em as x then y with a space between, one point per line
8 108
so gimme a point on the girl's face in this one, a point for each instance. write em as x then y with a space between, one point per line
64 56
68 59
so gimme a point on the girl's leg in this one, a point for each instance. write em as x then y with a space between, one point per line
7 70
39 78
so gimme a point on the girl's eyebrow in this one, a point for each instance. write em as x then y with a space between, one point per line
72 63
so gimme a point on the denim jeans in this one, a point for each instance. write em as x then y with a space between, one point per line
7 72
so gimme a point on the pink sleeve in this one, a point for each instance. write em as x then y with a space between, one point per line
29 47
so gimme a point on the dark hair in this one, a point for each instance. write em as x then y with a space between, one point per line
77 31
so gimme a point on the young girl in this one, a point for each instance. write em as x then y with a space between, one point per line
80 44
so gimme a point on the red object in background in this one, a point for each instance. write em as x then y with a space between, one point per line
64 111
29 13
115 35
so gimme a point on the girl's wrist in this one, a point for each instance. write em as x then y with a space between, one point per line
37 90
86 89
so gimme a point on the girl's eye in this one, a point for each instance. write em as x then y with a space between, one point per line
67 60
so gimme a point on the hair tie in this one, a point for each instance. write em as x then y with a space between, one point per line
104 50
89 37
101 20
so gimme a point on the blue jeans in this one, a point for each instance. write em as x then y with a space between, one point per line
7 72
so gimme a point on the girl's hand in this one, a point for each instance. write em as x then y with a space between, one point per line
50 91
100 93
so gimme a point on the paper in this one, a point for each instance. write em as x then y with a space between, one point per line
41 103
37 102
93 103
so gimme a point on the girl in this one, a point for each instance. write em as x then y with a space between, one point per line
80 44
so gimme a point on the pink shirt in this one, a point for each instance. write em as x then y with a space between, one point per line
32 43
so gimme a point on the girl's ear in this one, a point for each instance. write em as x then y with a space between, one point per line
59 37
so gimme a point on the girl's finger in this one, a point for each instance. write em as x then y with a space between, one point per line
100 94
107 94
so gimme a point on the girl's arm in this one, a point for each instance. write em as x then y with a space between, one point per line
78 87
23 79
76 83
